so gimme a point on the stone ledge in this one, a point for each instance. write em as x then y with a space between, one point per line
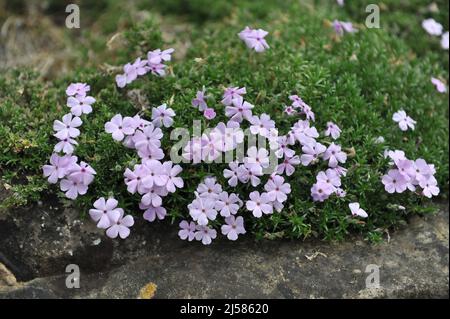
414 264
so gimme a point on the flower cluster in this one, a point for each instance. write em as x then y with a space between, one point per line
154 64
254 39
75 177
210 201
410 174
108 216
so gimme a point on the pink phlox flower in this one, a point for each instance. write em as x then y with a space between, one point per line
65 145
105 212
321 191
254 39
429 186
187 230
173 180
205 234
440 86
119 127
209 113
277 189
67 128
232 93
120 227
251 173
404 121
394 182
356 210
83 172
239 110
209 188
157 56
147 154
341 27
304 133
259 204
287 166
227 204
162 116
232 173
59 167
199 101
234 227
283 149
154 196
149 137
73 186
289 110
330 176
257 158
261 124
445 41
311 153
432 27
202 209
77 89
334 155
151 212
154 174
333 130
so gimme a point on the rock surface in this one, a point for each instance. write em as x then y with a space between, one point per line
153 261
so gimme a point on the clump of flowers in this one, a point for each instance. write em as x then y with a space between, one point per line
211 201
413 175
74 176
153 64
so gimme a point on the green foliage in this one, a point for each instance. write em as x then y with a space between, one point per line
357 81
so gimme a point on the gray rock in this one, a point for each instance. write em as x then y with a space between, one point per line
413 264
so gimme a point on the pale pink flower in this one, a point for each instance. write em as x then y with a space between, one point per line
80 104
105 212
67 128
120 227
394 182
202 210
304 133
157 56
83 172
153 196
356 210
234 227
154 174
330 176
254 39
444 41
232 173
259 204
73 186
77 89
227 204
209 113
162 116
187 230
440 86
258 158
205 234
333 130
311 153
429 187
320 191
148 138
239 110
334 155
119 127
209 188
403 120
289 110
173 180
199 101
151 212
261 125
232 93
432 27
59 167
277 189
65 145
288 165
